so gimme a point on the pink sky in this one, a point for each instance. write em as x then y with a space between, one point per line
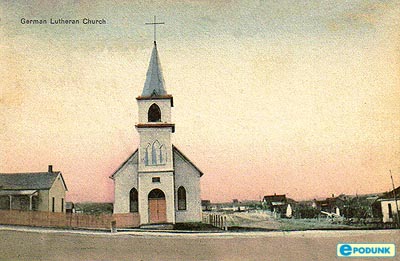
269 98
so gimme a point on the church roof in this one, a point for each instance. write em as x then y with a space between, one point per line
24 181
175 150
125 162
154 85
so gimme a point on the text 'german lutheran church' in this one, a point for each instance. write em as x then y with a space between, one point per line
157 180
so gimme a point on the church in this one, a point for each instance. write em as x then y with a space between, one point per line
157 181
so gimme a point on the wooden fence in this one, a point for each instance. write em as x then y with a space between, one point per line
217 220
70 220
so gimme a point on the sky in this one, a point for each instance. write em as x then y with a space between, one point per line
290 97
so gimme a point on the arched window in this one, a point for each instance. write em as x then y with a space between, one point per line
155 154
156 194
161 154
146 155
154 114
181 198
133 201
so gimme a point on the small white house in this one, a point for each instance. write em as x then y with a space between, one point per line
389 209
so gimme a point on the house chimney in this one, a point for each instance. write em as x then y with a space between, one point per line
50 168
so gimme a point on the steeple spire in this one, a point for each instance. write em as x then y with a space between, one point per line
154 85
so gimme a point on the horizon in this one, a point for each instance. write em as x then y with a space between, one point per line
240 200
289 98
258 200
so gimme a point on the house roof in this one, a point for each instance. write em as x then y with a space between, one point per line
69 205
175 150
29 192
275 198
390 194
29 181
154 84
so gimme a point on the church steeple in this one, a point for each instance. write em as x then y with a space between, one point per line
154 85
155 126
157 181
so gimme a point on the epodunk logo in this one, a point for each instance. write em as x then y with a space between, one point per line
366 250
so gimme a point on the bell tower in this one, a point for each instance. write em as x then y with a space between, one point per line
155 127
155 162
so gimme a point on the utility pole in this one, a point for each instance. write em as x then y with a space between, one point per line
395 200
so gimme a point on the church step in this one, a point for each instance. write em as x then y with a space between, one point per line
157 226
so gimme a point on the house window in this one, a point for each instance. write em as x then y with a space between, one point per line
154 114
390 210
156 180
24 203
35 202
62 205
53 203
181 198
133 201
4 202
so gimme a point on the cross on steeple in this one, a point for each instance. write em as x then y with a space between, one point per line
155 28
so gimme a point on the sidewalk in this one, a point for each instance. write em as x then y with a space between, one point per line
202 234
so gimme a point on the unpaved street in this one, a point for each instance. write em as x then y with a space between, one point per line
45 244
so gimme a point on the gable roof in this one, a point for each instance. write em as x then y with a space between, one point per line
391 194
154 85
26 181
123 164
275 198
175 149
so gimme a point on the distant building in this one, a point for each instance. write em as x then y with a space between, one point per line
390 209
206 205
330 204
275 203
41 191
351 206
69 207
245 205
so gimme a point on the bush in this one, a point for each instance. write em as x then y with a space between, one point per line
94 208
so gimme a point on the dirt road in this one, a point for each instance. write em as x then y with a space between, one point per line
42 244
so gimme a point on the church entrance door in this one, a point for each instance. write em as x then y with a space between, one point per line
157 207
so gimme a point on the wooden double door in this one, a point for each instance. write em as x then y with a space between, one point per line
157 207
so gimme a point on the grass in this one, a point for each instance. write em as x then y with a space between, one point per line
195 226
